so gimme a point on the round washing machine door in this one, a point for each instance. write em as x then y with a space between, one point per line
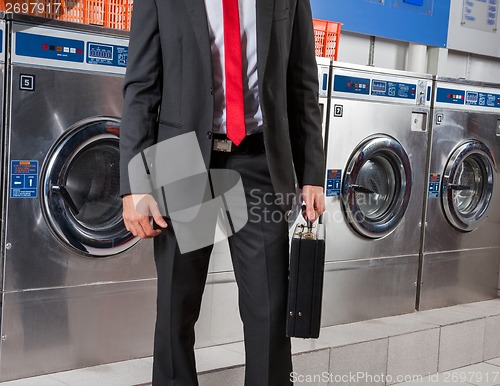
377 186
467 185
81 181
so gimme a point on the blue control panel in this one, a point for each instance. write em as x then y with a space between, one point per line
351 85
107 54
375 87
1 41
49 47
24 179
66 49
394 89
473 98
333 182
434 182
468 98
448 95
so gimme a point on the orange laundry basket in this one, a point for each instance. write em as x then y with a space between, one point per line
118 14
326 38
78 11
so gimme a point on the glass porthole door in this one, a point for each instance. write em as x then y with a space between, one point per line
81 198
467 185
377 186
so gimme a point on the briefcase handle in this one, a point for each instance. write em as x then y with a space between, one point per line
311 223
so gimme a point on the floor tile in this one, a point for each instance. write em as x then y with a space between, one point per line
359 364
115 374
312 365
300 345
492 337
210 358
346 334
397 325
227 377
461 344
443 316
480 374
494 361
44 380
484 308
413 354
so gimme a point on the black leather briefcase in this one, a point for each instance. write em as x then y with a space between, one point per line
305 281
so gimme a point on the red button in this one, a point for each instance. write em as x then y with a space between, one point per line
79 51
45 46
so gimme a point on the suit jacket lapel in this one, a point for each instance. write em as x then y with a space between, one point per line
198 14
264 24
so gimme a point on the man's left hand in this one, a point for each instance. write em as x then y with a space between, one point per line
314 200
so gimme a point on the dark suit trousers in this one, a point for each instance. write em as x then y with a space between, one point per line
259 253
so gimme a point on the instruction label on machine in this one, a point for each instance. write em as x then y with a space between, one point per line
333 182
24 179
434 182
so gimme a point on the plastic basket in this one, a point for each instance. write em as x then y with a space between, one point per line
78 11
326 38
118 14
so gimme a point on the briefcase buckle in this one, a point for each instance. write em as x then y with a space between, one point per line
306 234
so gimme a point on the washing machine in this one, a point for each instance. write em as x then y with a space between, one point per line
461 245
376 155
78 289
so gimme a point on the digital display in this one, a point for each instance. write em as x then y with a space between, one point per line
472 97
379 86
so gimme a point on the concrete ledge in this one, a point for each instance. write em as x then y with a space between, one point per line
373 352
380 350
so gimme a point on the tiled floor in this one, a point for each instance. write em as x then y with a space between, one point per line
458 345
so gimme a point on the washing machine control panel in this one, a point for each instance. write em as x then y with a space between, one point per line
54 47
467 97
382 87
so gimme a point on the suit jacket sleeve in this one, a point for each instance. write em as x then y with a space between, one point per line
142 91
303 109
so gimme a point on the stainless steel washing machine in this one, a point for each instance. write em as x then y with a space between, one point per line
376 154
461 245
78 289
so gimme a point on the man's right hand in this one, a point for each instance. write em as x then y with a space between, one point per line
136 211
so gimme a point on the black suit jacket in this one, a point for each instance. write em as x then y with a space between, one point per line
169 88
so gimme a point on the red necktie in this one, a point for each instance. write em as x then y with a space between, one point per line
235 111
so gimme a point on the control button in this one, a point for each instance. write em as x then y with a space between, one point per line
209 134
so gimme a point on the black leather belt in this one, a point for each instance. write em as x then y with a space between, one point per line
251 144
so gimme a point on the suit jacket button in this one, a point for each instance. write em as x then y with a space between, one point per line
209 134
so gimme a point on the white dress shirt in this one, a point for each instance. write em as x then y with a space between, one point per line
248 27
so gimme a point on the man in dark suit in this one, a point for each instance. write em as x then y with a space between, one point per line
178 81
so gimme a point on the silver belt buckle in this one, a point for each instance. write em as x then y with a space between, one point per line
224 145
